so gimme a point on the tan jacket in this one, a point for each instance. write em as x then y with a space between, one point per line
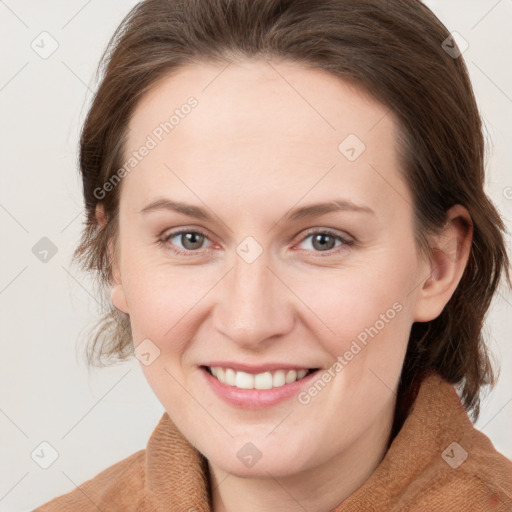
437 462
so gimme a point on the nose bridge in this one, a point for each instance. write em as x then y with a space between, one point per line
251 282
254 306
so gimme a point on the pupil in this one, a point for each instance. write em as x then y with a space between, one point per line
189 238
322 244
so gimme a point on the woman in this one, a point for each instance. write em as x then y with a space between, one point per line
285 201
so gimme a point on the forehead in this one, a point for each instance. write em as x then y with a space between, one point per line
260 127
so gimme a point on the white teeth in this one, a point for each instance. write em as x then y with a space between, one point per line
291 376
301 373
265 380
229 377
244 380
278 379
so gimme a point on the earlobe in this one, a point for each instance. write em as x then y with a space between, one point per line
118 298
117 295
449 256
101 218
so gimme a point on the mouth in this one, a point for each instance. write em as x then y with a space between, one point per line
265 380
245 390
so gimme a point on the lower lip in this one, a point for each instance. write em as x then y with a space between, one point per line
256 398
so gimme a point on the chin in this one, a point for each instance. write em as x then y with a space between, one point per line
250 461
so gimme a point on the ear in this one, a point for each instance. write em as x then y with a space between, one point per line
450 254
117 295
101 217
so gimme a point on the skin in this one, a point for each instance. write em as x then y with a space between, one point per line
255 147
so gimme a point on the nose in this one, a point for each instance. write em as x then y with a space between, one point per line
255 305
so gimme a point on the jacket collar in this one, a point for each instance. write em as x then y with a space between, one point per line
177 476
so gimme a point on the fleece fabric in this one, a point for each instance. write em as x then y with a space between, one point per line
438 461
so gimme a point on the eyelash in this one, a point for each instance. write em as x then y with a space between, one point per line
164 241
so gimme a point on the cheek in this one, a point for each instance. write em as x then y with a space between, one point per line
347 304
339 305
164 300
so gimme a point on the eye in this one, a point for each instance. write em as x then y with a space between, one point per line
190 240
325 240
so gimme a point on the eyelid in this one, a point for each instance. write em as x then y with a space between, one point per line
167 235
346 241
345 238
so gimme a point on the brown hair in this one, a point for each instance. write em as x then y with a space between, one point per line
394 51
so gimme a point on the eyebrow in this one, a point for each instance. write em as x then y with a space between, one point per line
302 212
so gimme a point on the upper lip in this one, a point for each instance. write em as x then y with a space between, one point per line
258 368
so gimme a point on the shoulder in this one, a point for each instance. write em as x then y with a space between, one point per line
463 470
437 462
118 487
485 485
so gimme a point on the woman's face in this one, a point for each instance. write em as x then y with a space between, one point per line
260 280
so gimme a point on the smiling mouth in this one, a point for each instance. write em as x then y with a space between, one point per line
264 380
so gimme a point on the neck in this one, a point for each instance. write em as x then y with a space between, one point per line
319 488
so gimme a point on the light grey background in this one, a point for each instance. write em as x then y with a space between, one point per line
94 419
